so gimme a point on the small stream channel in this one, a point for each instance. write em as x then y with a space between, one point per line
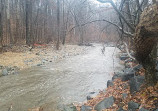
55 84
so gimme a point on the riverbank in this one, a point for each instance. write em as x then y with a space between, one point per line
55 85
125 92
21 57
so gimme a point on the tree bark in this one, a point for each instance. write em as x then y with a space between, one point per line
150 67
58 24
145 42
28 42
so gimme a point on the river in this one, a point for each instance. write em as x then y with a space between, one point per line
63 82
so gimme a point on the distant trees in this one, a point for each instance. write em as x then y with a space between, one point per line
58 24
140 30
43 21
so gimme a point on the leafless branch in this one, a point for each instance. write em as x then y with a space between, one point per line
127 33
120 14
127 50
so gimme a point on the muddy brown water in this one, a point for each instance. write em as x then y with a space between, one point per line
55 84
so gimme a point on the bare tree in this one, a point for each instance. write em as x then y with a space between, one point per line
145 48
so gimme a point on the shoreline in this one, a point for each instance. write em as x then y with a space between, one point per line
20 57
124 92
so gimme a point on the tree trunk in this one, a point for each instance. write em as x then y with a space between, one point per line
58 24
1 24
28 42
150 67
145 41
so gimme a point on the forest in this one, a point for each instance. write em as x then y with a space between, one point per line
47 44
42 21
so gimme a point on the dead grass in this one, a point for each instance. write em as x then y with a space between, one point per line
21 57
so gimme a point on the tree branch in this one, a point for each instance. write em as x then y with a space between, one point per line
127 33
120 14
126 47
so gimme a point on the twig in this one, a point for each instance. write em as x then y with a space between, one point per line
127 33
126 47
120 14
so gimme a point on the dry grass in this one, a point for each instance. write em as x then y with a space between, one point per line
23 58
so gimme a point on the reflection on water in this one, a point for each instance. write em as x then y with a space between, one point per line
59 83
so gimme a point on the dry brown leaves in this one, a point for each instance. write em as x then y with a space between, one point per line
147 97
116 91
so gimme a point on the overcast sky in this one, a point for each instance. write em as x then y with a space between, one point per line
95 1
100 4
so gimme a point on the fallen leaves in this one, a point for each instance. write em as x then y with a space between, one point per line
147 97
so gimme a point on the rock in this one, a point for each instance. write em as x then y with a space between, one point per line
143 109
106 103
128 71
1 67
135 83
44 61
128 65
80 44
92 92
127 77
89 98
5 72
1 73
9 70
39 64
123 57
120 109
85 44
86 108
117 75
157 75
70 107
110 83
132 106
128 60
91 95
128 74
157 65
27 61
124 95
14 70
137 68
88 44
37 54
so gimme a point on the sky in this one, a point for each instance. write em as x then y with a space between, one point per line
95 1
100 4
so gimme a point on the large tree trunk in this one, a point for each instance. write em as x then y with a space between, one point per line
145 42
149 65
